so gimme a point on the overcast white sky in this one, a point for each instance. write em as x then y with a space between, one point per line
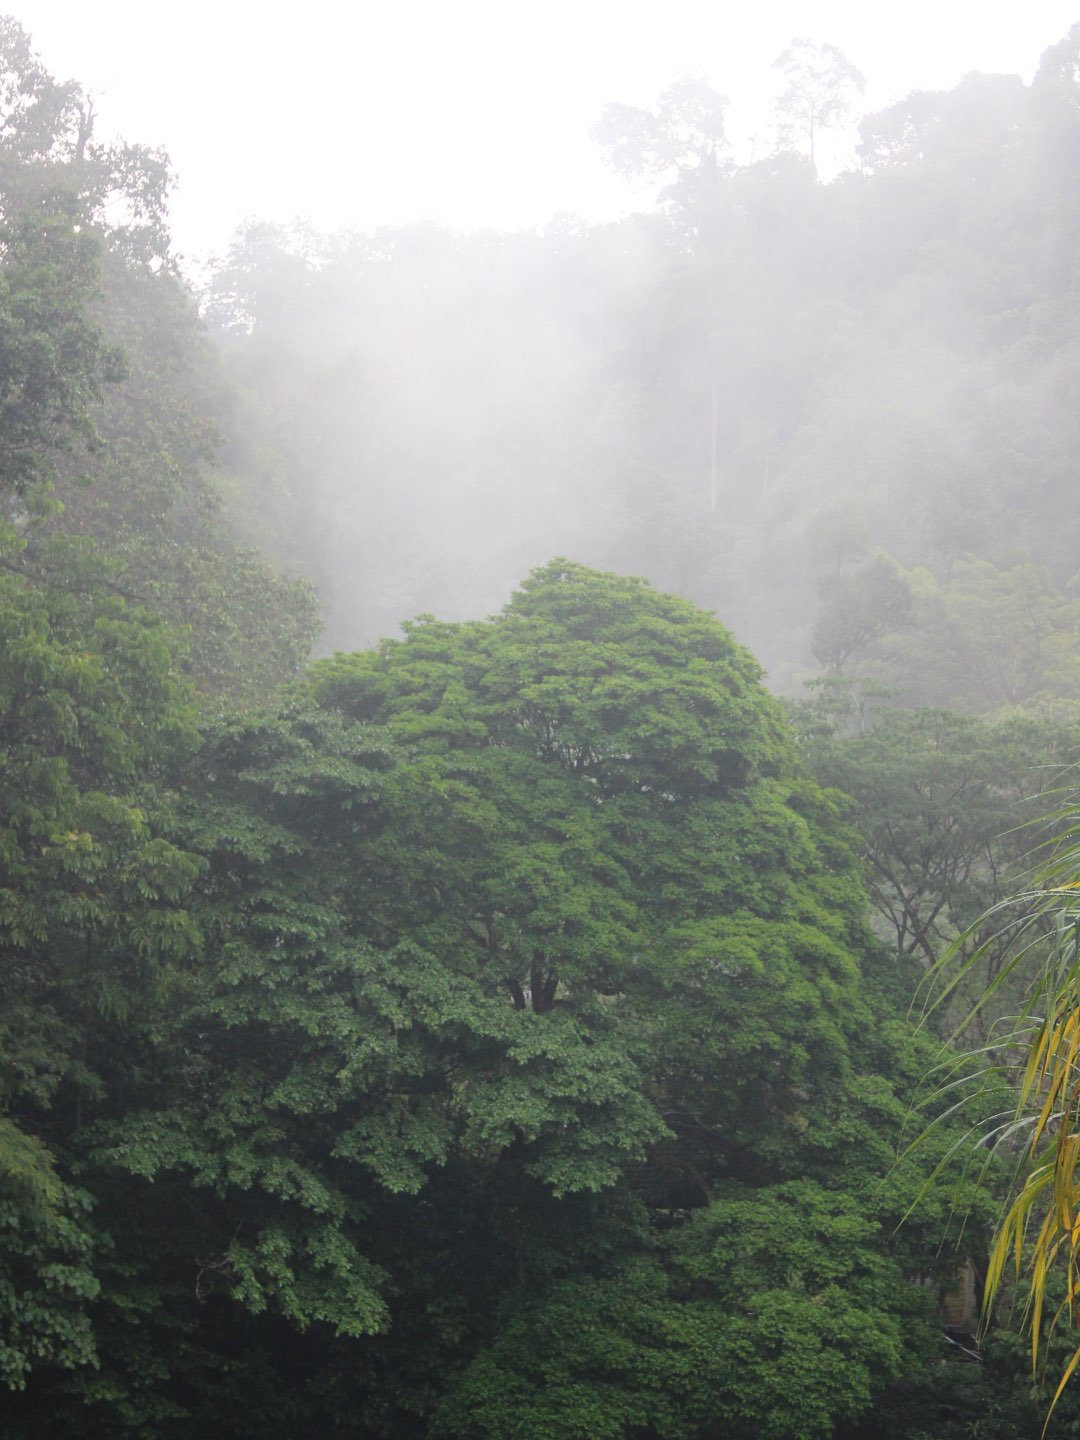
470 112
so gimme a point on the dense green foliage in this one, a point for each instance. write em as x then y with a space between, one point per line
950 808
527 940
487 1034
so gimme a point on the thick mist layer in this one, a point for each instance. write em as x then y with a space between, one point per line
762 397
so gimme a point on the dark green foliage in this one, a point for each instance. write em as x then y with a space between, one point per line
46 1278
505 988
54 356
989 1394
89 921
278 1055
95 710
766 1313
485 1039
949 808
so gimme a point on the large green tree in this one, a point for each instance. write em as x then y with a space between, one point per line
527 1001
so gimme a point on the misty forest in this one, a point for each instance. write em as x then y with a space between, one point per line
531 1027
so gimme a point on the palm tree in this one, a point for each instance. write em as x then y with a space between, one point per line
1038 1053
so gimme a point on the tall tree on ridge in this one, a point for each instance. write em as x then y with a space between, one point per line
821 84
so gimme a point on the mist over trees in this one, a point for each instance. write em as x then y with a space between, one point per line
503 1030
757 396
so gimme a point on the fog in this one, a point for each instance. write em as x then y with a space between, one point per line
810 363
767 386
474 115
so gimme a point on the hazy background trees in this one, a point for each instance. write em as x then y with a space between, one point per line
753 396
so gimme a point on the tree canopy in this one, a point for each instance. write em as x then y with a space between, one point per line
486 1033
527 937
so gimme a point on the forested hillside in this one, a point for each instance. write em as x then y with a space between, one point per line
504 1031
843 416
